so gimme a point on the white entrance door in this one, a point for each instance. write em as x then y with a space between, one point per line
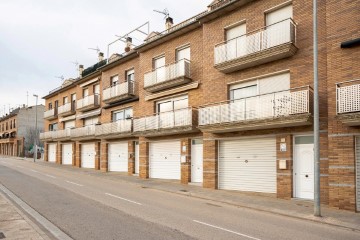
165 160
67 153
197 161
357 174
137 157
118 157
88 155
52 152
248 165
304 167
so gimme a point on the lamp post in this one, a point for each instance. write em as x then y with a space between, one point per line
36 132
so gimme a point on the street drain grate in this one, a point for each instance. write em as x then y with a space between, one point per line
2 236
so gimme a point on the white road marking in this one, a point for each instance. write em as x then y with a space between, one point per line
75 184
122 198
227 230
50 176
34 171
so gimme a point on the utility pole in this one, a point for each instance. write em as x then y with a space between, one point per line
317 210
36 132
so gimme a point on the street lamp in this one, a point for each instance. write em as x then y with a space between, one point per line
35 139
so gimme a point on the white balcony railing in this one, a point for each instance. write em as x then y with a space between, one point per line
348 96
267 106
47 135
87 131
166 120
49 113
256 41
60 134
118 90
118 127
176 70
67 107
92 100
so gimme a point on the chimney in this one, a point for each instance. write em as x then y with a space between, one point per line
128 44
169 23
101 56
81 69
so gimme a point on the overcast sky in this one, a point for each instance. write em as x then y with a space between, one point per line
40 38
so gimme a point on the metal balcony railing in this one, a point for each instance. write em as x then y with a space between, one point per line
118 127
166 120
119 90
86 131
49 113
66 108
266 106
348 97
163 74
256 41
91 100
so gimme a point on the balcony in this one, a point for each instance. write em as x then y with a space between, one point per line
119 92
288 108
271 43
66 110
117 129
50 114
348 102
47 136
83 133
167 123
62 135
168 76
88 103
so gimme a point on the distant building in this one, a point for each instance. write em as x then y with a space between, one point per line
17 130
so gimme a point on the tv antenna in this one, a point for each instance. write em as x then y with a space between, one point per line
165 12
97 49
61 78
75 63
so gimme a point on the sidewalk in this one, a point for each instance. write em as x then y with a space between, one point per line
292 208
15 225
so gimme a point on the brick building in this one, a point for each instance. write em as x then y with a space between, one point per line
17 130
223 100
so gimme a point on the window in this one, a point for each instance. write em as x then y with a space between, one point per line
97 89
159 62
130 75
73 101
65 100
172 104
56 104
122 114
183 53
236 46
53 127
91 121
14 123
50 106
69 124
85 92
114 80
243 92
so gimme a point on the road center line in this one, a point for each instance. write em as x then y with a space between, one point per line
226 230
50 176
75 184
122 198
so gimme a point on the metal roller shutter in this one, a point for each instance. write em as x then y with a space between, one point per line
248 165
52 152
88 155
165 160
358 174
67 153
118 157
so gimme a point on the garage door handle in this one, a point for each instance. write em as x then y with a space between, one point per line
246 161
306 176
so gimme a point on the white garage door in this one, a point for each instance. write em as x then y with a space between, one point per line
88 155
118 157
52 152
67 154
165 160
248 165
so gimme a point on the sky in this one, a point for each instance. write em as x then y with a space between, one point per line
40 39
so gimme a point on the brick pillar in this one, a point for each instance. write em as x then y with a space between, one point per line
210 167
98 155
46 152
131 158
144 158
78 154
59 153
284 155
104 156
185 160
73 157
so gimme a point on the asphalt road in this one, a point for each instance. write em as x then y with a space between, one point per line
88 207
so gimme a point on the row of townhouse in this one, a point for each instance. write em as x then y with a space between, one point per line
17 130
223 99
